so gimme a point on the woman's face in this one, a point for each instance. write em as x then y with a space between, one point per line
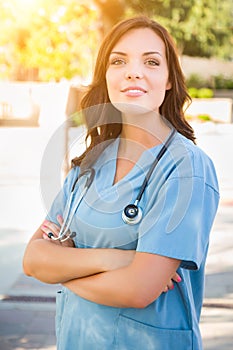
137 73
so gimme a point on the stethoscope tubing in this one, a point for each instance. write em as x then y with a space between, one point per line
68 217
153 165
131 220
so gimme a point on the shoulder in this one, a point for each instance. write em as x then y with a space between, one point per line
189 160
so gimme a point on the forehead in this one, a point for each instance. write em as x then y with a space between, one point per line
141 40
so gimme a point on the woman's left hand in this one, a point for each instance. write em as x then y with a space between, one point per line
49 227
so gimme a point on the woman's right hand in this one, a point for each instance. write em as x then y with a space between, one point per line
49 227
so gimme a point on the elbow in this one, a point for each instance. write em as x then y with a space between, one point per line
27 265
141 303
26 270
35 263
32 260
32 268
140 299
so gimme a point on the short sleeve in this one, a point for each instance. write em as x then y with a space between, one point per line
179 222
59 203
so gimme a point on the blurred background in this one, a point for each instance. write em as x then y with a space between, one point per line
47 54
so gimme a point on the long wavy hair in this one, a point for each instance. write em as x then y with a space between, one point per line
103 120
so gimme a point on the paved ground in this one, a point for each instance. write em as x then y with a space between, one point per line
27 316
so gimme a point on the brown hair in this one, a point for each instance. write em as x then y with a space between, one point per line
102 119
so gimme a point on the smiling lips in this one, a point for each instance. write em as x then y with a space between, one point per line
134 91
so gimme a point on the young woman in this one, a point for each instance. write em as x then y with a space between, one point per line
134 239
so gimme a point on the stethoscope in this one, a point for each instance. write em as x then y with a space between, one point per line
131 214
64 233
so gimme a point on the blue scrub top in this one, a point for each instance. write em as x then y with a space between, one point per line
179 206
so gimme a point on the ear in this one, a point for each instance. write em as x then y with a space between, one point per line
168 86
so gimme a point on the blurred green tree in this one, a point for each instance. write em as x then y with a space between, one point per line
44 40
200 27
47 41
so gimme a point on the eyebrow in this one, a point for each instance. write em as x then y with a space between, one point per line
144 54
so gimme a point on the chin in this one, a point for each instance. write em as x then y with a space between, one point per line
132 108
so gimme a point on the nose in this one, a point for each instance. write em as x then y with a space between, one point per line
133 75
134 71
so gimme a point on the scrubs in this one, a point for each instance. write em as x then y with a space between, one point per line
179 206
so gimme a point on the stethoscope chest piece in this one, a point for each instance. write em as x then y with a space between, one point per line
132 214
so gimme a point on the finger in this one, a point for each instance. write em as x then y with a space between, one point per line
49 226
177 278
48 231
45 236
170 285
60 219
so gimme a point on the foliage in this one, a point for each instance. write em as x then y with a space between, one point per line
205 93
195 82
55 39
204 117
50 40
200 27
222 82
200 93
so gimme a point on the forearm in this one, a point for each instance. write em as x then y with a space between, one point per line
136 285
110 288
52 263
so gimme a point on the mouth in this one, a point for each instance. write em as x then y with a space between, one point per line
134 91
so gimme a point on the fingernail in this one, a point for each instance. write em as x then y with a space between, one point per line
179 279
172 287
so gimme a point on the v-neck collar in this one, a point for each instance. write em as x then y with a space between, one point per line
106 164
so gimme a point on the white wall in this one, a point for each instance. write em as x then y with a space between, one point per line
51 99
206 67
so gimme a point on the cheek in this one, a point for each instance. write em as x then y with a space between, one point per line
161 85
108 81
112 85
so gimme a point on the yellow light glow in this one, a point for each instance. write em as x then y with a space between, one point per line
26 5
27 2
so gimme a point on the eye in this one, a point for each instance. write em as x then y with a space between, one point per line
152 62
117 61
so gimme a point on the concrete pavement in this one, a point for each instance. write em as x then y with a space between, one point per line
27 307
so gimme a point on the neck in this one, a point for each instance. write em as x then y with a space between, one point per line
134 133
147 131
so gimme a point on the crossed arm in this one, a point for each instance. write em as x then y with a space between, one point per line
111 277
